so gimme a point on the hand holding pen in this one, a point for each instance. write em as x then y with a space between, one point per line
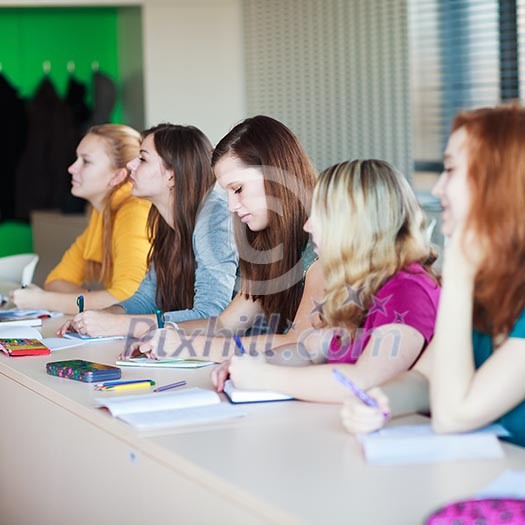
363 412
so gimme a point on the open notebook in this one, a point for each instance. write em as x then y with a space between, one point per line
28 332
159 410
23 317
237 395
407 444
168 362
92 339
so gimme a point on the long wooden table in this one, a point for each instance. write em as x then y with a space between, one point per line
64 461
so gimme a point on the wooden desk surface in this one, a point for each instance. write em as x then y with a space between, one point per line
285 462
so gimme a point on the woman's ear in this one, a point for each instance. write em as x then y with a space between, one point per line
170 176
118 177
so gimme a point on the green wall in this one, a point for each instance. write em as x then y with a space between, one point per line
30 36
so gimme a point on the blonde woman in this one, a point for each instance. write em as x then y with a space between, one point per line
111 253
381 297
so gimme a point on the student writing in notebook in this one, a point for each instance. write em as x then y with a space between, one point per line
472 373
380 301
193 259
269 179
111 253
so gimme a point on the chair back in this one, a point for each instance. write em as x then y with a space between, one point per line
18 268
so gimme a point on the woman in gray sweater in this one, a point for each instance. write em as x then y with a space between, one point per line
193 259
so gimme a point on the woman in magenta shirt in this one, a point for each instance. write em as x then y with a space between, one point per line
381 296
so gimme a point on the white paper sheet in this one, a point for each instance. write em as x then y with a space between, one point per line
412 444
510 484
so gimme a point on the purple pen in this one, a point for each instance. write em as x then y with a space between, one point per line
168 387
363 396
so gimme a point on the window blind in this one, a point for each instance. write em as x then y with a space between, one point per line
464 54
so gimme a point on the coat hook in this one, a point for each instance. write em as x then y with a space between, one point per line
71 66
46 67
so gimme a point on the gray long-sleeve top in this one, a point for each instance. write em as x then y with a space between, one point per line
216 266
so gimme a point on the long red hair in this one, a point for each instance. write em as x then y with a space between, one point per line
496 175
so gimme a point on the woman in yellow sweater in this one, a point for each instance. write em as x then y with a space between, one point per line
111 253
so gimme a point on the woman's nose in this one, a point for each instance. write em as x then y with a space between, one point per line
72 168
307 226
439 186
132 164
233 202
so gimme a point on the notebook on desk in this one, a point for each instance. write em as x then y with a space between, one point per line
24 317
167 362
154 411
412 444
29 332
237 395
92 339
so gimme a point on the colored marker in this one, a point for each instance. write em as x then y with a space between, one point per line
80 303
363 396
128 386
160 319
239 344
129 382
168 387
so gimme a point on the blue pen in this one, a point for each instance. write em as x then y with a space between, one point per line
80 303
160 318
363 396
239 344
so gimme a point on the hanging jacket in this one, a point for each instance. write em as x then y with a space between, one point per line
76 101
104 98
12 138
42 178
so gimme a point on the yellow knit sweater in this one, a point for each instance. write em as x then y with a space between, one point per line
129 245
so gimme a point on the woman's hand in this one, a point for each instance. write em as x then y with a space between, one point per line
359 418
464 253
156 344
251 372
31 297
96 323
220 374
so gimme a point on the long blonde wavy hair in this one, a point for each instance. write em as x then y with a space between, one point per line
370 226
122 144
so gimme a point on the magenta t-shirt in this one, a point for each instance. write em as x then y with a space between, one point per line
410 297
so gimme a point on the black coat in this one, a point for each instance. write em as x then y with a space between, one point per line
42 178
12 139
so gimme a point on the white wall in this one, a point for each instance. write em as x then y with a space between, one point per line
336 72
193 64
131 68
192 57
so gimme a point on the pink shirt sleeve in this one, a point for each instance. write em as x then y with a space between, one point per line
409 299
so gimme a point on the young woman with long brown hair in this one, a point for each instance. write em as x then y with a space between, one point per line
380 300
192 261
472 373
269 179
111 253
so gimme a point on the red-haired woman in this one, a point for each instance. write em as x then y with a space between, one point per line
473 371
